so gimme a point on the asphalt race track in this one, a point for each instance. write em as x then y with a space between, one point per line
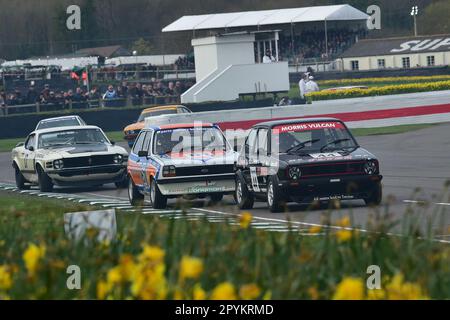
415 166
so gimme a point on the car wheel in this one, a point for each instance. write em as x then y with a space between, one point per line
122 184
216 197
20 180
136 198
376 196
244 198
274 199
157 199
45 183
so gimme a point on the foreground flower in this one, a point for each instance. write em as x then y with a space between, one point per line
5 278
249 291
151 254
349 289
31 257
245 220
198 292
224 291
398 289
343 235
190 267
315 229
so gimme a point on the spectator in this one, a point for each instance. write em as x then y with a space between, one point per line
94 94
110 93
45 93
285 101
32 95
178 90
169 91
302 87
268 58
311 85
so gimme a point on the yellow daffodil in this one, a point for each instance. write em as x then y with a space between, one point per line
249 291
398 289
152 254
343 235
198 293
245 220
5 278
224 291
102 289
315 229
31 257
344 222
313 293
349 289
190 267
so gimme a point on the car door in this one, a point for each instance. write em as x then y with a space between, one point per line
248 154
135 165
29 155
258 166
147 168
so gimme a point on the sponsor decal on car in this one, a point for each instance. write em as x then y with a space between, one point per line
308 126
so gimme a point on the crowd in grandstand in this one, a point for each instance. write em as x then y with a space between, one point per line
169 92
311 44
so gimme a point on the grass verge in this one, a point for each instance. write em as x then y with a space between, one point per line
154 257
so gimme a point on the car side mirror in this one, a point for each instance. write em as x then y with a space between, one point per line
235 148
113 142
143 153
20 144
31 148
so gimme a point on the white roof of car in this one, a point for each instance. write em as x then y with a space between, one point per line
59 118
56 129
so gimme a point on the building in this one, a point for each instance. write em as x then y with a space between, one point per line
397 53
229 48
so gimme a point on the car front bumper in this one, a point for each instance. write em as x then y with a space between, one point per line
88 175
223 183
329 188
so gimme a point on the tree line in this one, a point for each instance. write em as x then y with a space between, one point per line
38 27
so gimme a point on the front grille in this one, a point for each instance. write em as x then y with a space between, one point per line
332 169
88 161
206 170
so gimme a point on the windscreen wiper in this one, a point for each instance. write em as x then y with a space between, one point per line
333 143
301 145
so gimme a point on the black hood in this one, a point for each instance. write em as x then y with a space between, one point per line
328 156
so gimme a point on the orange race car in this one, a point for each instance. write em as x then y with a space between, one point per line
131 131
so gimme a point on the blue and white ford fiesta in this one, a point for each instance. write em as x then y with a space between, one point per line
173 160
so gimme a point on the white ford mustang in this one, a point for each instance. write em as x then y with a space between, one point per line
69 156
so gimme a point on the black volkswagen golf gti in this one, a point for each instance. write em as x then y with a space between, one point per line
305 161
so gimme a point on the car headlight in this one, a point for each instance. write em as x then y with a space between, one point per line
118 158
370 167
169 171
295 173
58 164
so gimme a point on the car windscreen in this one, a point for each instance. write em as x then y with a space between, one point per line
71 137
312 137
209 139
156 113
69 122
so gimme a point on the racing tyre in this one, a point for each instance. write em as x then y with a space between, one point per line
244 198
45 183
122 184
275 200
157 199
20 180
216 197
136 198
375 197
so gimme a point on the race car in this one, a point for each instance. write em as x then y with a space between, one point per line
66 121
68 156
131 131
172 160
304 161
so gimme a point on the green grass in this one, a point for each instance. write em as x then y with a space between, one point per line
389 130
282 265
